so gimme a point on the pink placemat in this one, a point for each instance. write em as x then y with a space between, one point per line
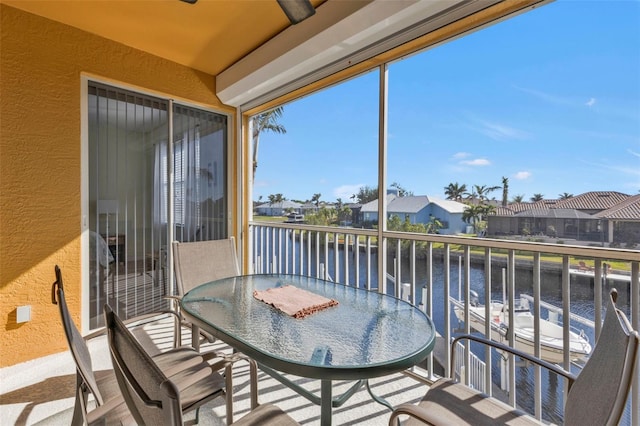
294 301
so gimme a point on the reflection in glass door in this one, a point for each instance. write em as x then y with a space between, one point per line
129 224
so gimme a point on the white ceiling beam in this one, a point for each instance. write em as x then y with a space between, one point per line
338 31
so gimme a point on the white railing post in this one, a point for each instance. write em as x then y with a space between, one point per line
406 292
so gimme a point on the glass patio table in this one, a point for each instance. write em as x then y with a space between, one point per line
367 334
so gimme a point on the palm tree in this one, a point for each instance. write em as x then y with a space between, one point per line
434 225
475 213
486 210
266 121
316 199
565 196
518 198
454 191
472 214
482 191
537 197
505 191
275 199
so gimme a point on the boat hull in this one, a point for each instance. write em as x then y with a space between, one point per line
551 334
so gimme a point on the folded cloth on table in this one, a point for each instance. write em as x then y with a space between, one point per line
294 301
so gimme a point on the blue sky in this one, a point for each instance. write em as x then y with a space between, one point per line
549 99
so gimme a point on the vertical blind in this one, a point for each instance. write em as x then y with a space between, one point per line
128 193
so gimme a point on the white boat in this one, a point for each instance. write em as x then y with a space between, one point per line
551 334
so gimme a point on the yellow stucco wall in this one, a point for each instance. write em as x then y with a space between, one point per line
41 63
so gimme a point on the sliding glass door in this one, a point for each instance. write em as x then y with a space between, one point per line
131 149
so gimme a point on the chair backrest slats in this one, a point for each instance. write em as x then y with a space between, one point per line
203 261
598 394
77 345
151 397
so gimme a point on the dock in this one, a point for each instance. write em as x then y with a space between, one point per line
607 277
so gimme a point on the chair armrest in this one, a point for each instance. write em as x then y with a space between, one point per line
111 410
175 302
416 412
144 317
542 363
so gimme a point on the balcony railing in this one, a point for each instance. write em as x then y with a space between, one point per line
567 285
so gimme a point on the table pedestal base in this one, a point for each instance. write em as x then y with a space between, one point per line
326 400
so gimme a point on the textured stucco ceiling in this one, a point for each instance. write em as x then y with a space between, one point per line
209 35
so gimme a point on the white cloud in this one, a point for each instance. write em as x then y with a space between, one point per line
557 99
500 132
547 97
476 162
460 155
522 175
637 154
346 191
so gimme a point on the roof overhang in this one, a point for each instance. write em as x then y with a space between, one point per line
339 35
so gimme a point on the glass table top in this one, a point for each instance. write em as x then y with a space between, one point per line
367 334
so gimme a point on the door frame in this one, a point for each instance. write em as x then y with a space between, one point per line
85 79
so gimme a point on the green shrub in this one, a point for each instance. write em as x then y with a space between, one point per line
551 231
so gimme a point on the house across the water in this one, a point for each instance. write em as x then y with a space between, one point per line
599 216
420 209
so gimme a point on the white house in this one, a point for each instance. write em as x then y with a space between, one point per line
420 209
279 209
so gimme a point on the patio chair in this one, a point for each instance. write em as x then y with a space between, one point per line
154 398
596 396
110 407
199 262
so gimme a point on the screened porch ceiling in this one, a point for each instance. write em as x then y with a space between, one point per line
208 36
250 47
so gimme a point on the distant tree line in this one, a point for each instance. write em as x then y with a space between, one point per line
478 204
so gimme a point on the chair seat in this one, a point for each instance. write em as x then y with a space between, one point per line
107 383
197 385
192 374
461 405
112 412
266 414
186 368
175 360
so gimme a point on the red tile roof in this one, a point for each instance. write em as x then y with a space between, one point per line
520 207
594 200
545 203
503 211
603 204
627 209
